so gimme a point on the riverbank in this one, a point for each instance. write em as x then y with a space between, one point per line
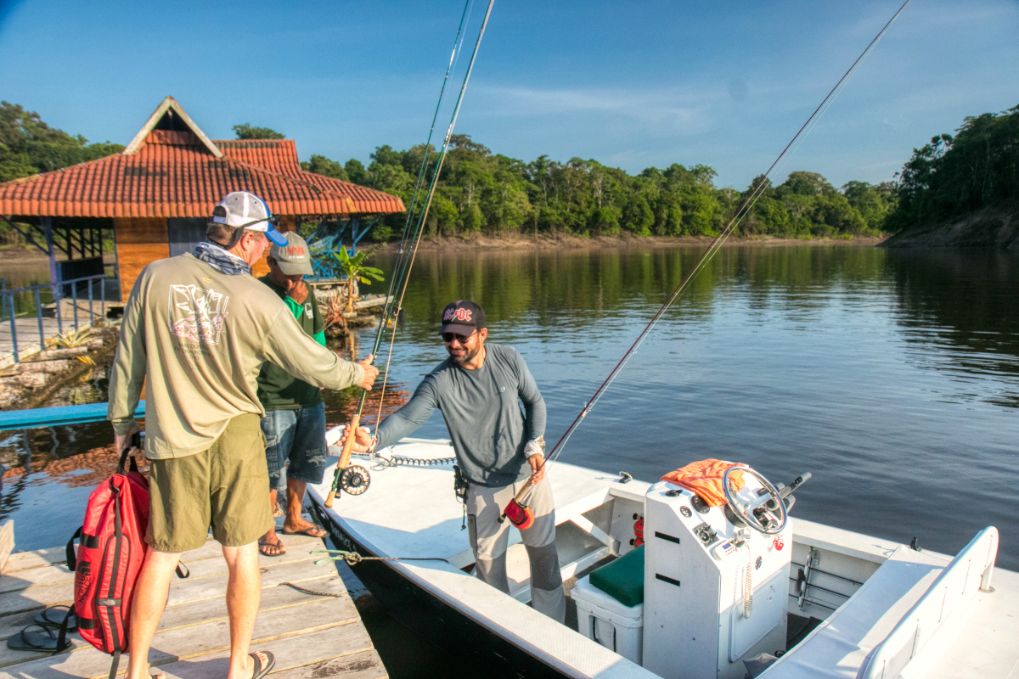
996 227
548 242
64 374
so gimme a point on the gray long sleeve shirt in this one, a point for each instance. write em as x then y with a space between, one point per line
482 410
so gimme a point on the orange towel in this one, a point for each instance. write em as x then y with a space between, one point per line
705 479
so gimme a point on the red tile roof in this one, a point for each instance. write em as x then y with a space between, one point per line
175 173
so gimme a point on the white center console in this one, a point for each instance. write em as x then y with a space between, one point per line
715 589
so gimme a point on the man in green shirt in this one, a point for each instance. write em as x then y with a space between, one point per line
295 419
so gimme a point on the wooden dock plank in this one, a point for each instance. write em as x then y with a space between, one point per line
312 634
201 613
42 586
296 656
21 561
212 640
363 665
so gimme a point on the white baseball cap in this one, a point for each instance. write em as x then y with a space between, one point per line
243 210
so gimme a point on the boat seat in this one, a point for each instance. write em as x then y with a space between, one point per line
883 626
622 579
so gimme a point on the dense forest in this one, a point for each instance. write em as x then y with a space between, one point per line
951 176
481 192
28 145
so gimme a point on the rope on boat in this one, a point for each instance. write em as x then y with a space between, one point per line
745 207
399 460
353 558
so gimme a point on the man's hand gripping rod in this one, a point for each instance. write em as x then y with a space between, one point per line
344 461
359 481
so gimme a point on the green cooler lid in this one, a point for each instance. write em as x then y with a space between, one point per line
623 579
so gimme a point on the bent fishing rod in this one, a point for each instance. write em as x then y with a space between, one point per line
355 479
517 510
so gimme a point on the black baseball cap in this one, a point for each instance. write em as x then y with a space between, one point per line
462 317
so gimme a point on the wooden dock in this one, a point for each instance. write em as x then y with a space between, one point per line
311 635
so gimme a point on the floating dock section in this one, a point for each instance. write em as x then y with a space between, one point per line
307 619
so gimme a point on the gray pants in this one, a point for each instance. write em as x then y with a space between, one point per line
489 540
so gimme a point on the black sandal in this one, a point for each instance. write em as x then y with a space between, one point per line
261 670
54 617
38 638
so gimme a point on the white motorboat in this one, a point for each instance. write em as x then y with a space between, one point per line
715 591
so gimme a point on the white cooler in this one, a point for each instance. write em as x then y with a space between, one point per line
608 622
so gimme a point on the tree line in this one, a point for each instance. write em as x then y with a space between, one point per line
481 192
954 175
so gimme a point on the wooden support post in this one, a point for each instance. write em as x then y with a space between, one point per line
6 543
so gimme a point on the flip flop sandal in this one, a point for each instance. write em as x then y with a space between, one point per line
260 669
271 549
54 617
37 638
311 531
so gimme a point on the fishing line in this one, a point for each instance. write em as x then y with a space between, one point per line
391 312
405 282
419 182
419 228
748 203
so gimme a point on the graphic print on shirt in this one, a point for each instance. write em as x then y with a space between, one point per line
197 315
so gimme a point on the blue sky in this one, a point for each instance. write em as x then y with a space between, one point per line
630 84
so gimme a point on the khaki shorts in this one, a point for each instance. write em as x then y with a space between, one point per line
223 487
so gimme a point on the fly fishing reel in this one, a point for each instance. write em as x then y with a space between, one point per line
355 479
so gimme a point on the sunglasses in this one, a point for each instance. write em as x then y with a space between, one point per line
448 337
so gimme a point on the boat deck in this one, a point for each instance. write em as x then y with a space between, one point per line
311 635
977 639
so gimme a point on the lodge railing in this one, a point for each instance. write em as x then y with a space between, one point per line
55 307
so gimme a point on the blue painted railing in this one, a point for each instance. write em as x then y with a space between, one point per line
58 416
31 299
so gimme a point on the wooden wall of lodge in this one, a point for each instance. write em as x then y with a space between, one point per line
140 241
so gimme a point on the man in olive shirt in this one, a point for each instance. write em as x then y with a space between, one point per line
196 330
295 418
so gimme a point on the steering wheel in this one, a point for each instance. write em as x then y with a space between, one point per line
756 513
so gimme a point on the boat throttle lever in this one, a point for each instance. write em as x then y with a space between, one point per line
785 492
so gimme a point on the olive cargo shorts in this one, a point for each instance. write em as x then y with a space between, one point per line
223 487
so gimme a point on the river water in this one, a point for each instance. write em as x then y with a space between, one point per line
892 376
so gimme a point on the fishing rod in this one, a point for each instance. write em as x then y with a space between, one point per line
517 510
355 479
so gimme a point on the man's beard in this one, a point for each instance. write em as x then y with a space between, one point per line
467 357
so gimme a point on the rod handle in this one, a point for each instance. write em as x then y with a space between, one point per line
348 445
333 488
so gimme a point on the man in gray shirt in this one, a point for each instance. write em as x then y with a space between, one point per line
479 389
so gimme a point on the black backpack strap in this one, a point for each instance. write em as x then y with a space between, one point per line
70 553
114 665
125 455
62 641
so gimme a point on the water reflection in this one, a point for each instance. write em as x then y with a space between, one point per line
840 360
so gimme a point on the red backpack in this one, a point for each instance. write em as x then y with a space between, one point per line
109 557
